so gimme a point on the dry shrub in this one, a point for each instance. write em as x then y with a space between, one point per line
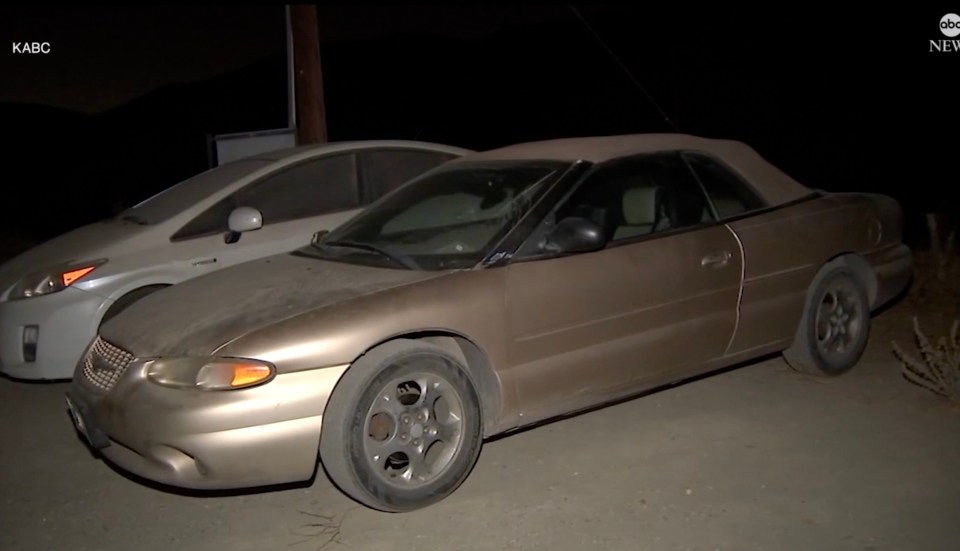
938 370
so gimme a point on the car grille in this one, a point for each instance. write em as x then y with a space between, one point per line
105 363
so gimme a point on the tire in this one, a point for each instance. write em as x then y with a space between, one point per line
403 427
835 325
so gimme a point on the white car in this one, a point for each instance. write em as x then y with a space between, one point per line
54 297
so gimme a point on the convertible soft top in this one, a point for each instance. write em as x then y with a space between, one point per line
775 186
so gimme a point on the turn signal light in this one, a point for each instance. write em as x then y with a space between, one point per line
69 277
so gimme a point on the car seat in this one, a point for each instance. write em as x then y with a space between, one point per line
639 207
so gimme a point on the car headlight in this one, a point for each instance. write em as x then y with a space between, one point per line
53 279
209 373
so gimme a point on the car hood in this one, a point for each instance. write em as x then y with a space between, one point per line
200 315
90 242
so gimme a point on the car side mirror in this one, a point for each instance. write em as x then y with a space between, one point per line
574 235
242 219
318 237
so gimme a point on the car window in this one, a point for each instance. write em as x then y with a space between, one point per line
729 194
640 196
383 170
319 186
451 209
450 218
173 200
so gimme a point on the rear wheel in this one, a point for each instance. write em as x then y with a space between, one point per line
402 428
835 325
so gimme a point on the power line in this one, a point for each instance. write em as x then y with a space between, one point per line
623 66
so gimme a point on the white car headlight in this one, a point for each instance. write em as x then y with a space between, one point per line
53 279
209 373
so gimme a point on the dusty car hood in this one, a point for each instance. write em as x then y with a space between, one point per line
199 315
90 242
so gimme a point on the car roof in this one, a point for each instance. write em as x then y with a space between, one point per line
773 184
334 147
598 149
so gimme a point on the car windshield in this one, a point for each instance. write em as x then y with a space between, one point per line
175 199
449 218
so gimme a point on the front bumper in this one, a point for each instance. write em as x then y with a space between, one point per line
67 322
207 439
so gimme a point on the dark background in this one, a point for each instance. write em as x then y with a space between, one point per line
125 103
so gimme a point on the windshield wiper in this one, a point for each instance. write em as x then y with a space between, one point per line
397 258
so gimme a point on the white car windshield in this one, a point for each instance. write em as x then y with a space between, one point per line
179 197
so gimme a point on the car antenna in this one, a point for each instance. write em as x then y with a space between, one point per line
623 66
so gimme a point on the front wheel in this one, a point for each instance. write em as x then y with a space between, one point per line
402 428
835 325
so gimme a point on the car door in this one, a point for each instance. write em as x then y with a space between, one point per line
297 201
776 242
294 202
659 298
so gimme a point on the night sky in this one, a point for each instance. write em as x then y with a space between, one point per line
104 56
128 97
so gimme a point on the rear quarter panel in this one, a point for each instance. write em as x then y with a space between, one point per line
783 250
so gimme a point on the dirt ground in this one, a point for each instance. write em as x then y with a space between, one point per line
756 457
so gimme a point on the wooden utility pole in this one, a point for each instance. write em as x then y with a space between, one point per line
311 114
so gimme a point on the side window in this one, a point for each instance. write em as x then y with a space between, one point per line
729 194
320 186
384 170
209 222
640 196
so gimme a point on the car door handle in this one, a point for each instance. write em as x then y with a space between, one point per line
203 261
716 260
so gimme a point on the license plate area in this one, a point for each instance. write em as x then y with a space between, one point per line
85 424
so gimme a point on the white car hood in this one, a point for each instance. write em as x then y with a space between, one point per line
97 240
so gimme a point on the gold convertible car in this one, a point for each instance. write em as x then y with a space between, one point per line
495 291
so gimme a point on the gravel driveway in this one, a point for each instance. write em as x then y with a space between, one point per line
756 457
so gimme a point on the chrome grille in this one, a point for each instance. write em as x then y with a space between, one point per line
105 363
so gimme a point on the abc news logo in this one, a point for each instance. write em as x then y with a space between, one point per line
950 27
